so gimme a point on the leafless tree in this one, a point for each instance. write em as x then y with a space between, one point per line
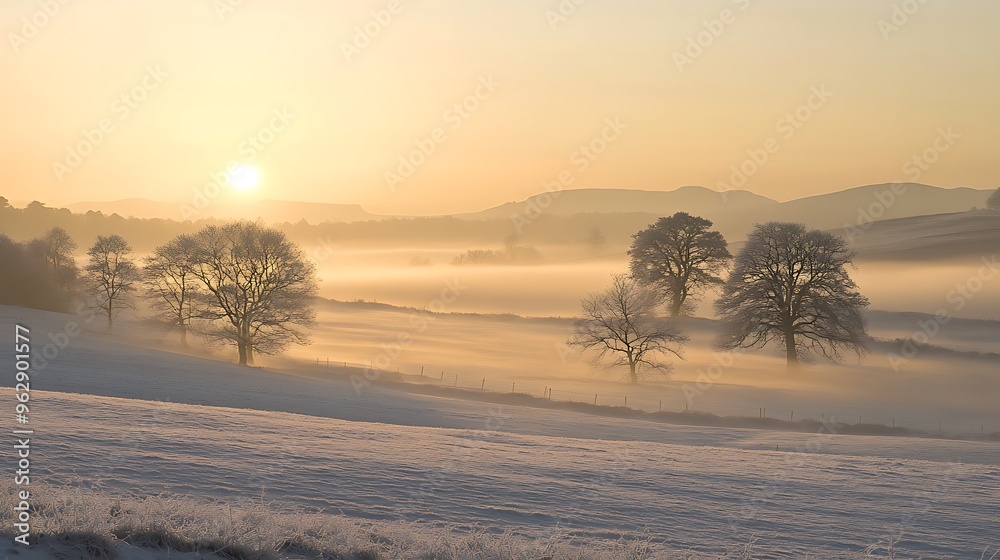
595 238
681 255
620 323
171 284
259 285
112 274
790 285
57 247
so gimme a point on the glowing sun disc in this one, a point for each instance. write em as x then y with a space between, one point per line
244 178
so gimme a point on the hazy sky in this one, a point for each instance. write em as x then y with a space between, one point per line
333 111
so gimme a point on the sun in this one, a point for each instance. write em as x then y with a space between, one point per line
244 177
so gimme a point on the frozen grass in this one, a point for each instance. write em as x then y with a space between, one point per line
93 523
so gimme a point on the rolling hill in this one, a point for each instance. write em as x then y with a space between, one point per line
933 237
737 210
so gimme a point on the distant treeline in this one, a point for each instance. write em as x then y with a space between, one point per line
22 224
33 221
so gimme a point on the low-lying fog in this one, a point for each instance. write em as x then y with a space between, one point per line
555 286
475 342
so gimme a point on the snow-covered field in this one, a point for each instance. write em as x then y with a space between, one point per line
137 419
702 498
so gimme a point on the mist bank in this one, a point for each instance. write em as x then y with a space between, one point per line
876 237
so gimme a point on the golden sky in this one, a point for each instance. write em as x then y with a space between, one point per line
325 98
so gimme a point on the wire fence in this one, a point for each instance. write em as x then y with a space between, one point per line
422 375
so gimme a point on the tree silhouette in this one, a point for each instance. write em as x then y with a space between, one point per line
260 288
171 284
790 285
681 256
57 247
620 323
993 203
112 274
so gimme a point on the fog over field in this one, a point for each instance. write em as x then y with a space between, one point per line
556 289
518 280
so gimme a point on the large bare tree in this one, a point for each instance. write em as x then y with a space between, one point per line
259 285
171 284
620 323
681 256
112 274
790 285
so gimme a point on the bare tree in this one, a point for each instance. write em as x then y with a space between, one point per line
260 287
681 256
595 238
790 285
171 284
620 322
57 247
112 274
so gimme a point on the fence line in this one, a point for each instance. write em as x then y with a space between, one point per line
845 415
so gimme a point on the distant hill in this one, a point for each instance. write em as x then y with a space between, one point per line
694 200
879 202
568 216
271 211
734 212
936 237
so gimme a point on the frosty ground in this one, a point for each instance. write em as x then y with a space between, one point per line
133 419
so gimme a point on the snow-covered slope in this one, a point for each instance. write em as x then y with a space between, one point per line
136 419
699 498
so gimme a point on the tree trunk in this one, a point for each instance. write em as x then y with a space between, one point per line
184 335
110 322
632 375
249 347
791 353
675 305
241 347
